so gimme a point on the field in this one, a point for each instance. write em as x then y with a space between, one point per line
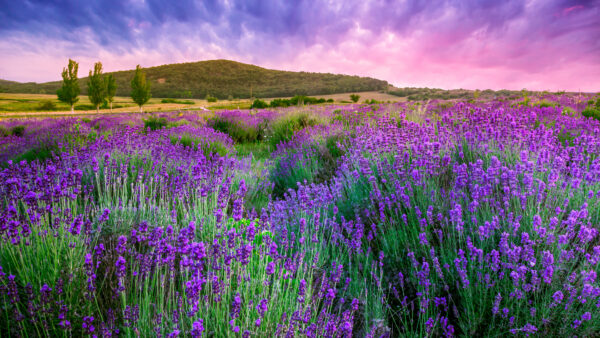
425 219
21 105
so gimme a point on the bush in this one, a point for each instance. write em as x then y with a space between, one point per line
354 97
85 107
259 104
546 104
238 131
155 123
207 148
279 103
17 130
46 105
40 153
210 98
591 112
283 129
177 101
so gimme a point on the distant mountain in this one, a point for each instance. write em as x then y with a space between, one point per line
219 78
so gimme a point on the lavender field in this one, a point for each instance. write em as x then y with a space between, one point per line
445 218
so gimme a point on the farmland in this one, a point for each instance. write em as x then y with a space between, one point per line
437 218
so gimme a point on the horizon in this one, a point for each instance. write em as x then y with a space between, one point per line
512 45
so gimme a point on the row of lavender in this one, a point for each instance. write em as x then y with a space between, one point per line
476 219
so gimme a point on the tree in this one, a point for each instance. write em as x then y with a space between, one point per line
111 89
70 87
354 97
140 87
96 86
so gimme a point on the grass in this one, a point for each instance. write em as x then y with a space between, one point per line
31 103
258 150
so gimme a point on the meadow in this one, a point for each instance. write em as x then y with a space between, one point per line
421 219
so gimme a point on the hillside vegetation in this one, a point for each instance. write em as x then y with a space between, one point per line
222 79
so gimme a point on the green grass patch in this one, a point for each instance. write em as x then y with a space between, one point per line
258 150
177 101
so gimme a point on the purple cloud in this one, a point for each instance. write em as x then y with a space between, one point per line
450 44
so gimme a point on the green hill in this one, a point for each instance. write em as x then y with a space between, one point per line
219 78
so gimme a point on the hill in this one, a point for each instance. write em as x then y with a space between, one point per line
219 78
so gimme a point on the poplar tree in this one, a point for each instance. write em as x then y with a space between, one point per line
70 87
140 87
111 89
96 86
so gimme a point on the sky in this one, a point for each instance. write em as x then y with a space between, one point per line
496 44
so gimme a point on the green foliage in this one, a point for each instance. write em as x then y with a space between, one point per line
39 153
315 163
46 105
177 101
154 122
566 138
140 87
258 150
332 143
423 94
208 148
237 130
111 89
69 90
210 98
259 104
279 103
354 97
85 107
4 131
546 104
297 100
223 78
283 129
591 112
18 130
97 91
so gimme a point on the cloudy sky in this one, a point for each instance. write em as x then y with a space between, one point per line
514 44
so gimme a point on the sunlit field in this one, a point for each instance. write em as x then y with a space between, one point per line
425 219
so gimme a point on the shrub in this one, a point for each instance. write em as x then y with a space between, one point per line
208 148
238 131
591 112
155 123
18 130
39 153
210 98
46 105
279 103
177 101
354 97
283 129
259 104
85 107
546 104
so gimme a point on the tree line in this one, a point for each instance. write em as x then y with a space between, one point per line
101 88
